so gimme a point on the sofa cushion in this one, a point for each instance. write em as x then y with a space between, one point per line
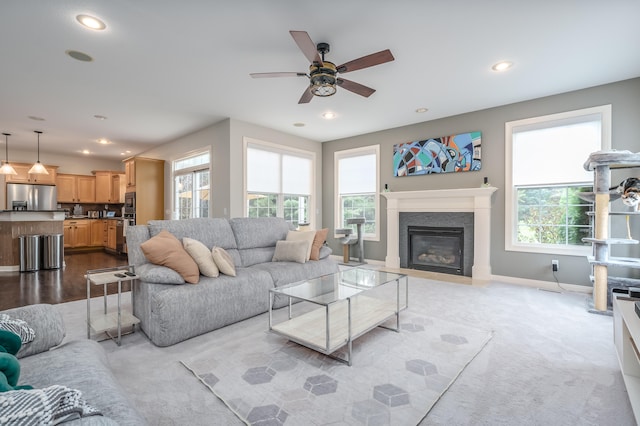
306 236
46 322
290 251
318 241
153 273
202 256
224 261
165 249
258 231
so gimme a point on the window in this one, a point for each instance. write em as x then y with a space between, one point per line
545 175
191 186
279 182
356 189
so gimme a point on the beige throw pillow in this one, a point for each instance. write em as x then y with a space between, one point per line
290 251
166 250
202 256
318 241
307 236
224 261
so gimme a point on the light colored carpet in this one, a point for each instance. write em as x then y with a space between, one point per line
395 378
549 362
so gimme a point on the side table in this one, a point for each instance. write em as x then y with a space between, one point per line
106 322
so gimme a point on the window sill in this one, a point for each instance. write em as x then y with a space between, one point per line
551 249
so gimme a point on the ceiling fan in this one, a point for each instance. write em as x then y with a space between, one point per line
323 75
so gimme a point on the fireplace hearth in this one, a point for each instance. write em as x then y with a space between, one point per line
436 249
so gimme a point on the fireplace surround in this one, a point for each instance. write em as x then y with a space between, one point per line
475 200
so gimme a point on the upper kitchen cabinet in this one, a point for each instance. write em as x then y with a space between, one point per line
110 187
23 175
76 188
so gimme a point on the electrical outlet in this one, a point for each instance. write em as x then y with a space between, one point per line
554 265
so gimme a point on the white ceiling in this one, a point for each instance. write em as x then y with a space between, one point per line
165 68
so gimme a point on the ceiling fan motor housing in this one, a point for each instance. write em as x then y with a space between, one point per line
322 79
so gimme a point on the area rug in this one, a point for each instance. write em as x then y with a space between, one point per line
396 378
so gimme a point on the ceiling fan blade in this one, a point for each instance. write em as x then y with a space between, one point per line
367 61
307 46
277 74
356 88
306 96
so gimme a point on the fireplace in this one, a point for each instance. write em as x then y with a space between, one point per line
436 249
447 201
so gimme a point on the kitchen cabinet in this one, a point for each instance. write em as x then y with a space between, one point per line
23 175
145 177
130 174
77 233
76 188
109 187
98 232
112 235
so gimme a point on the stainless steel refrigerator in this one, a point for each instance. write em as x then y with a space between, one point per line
22 196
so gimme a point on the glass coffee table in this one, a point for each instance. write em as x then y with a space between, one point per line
348 304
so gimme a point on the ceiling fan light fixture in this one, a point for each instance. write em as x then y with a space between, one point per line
38 168
7 169
322 79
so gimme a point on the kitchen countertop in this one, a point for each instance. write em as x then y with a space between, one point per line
31 215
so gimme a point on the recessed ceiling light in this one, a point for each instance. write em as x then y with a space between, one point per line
329 115
128 152
91 22
100 117
502 66
298 124
33 117
86 151
421 110
79 56
104 141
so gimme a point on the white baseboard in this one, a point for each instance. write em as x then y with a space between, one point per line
544 285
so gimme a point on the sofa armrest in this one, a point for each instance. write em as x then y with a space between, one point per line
47 323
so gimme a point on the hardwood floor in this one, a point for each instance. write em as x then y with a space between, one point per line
56 285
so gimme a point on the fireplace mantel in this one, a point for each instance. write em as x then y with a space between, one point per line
476 200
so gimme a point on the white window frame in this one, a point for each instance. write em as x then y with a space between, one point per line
510 191
354 152
187 170
282 149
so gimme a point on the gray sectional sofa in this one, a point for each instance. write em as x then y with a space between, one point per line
78 364
171 311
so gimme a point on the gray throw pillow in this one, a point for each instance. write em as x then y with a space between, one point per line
291 251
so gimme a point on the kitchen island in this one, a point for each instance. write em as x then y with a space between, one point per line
14 223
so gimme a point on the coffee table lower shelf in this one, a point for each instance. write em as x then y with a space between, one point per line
310 329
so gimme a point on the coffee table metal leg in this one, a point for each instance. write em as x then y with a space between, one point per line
270 310
349 335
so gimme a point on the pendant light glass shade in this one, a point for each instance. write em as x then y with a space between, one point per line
6 168
38 168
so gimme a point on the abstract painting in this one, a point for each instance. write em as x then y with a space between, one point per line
447 154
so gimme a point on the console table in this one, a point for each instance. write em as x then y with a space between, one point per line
626 336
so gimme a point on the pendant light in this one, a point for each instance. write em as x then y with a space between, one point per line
7 169
38 168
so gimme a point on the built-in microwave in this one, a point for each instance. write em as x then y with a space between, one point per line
130 203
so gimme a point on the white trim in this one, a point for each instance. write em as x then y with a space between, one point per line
509 205
192 153
281 149
543 285
355 152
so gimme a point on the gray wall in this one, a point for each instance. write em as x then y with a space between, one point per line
225 139
625 100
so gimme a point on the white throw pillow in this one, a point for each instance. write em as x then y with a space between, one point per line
307 236
202 255
224 261
290 251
